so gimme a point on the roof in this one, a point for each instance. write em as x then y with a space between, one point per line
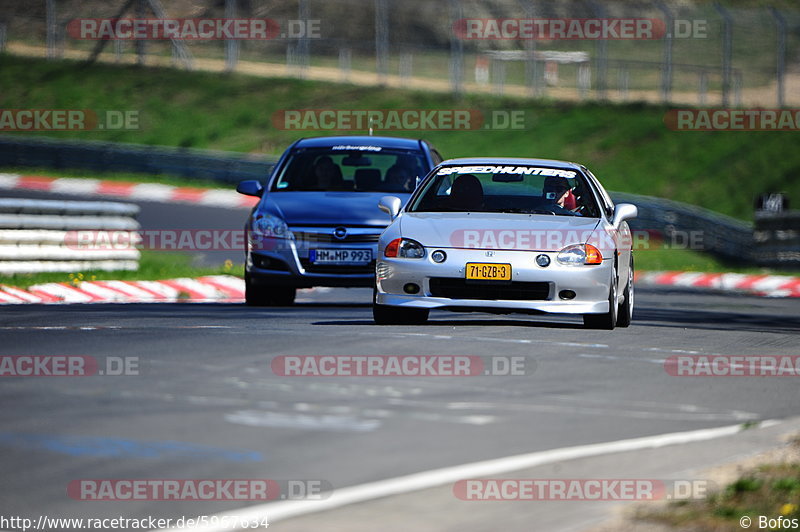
359 140
511 161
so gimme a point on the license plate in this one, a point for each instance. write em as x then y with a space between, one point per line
340 256
488 271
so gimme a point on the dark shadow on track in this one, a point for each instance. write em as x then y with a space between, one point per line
472 322
715 320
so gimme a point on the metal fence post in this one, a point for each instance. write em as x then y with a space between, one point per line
140 44
601 63
780 53
52 28
622 82
382 39
531 74
231 45
727 51
737 88
666 66
406 67
584 80
345 60
456 49
303 51
499 75
703 88
117 50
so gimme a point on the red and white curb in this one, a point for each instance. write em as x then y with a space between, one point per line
213 288
213 197
227 288
761 285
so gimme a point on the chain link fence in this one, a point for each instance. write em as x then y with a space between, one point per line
696 54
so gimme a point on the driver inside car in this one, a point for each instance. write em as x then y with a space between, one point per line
557 196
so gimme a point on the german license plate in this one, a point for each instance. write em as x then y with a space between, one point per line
488 271
340 256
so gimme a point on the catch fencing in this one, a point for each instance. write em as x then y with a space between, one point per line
699 53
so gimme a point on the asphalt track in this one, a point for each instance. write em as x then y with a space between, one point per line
207 405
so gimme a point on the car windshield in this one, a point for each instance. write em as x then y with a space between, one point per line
361 170
507 188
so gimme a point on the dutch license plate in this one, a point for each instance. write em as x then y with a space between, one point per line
340 256
488 271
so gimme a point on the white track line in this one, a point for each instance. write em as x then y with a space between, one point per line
282 510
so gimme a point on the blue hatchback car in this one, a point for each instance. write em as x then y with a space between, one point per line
318 221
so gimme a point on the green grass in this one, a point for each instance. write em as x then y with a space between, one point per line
627 146
154 265
771 490
695 261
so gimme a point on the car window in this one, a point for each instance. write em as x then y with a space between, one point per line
510 189
608 203
357 170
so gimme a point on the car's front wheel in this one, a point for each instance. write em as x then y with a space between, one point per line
387 315
264 296
607 320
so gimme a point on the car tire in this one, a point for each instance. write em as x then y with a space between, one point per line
625 312
265 296
388 315
607 320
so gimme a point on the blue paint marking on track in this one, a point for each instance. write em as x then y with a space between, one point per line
118 447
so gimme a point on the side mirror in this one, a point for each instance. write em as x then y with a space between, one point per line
390 205
250 187
624 211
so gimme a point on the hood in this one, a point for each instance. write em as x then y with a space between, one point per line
329 208
534 232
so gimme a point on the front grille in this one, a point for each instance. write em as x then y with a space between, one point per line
343 269
456 288
301 236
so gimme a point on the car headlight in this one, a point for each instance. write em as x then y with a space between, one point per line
579 254
268 225
404 248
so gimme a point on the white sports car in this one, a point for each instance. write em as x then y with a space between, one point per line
506 235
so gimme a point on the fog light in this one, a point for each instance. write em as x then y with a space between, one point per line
543 260
439 256
411 288
566 294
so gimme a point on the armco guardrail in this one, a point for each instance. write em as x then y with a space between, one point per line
34 235
18 151
685 226
777 238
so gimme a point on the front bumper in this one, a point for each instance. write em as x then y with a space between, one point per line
590 283
286 262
